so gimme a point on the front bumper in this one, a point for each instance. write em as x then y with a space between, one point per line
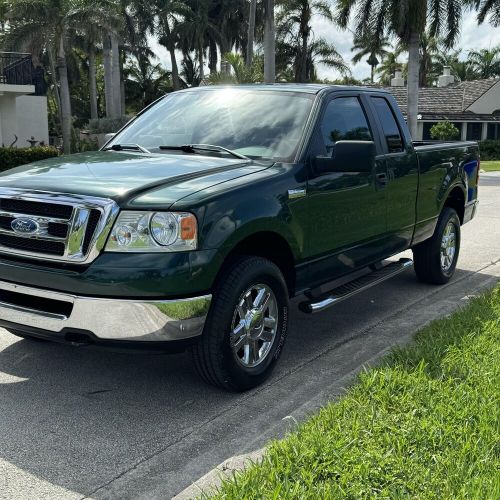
25 308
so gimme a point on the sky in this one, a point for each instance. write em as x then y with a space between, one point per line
473 37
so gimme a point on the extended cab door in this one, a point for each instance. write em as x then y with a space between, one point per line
347 209
402 171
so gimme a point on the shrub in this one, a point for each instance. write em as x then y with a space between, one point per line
107 125
445 131
15 157
490 150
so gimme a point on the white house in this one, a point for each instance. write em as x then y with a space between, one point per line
473 107
23 104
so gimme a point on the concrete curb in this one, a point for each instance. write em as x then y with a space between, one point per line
223 471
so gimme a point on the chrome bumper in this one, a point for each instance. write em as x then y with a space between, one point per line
106 319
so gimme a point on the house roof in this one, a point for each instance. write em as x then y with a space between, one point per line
452 100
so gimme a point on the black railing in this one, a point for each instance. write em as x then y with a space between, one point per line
16 68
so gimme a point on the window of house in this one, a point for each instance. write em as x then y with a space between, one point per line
426 135
389 125
474 131
493 131
344 120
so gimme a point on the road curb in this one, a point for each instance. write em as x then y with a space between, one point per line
223 471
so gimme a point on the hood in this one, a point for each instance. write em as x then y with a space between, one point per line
123 176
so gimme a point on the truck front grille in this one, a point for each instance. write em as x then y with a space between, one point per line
36 208
54 226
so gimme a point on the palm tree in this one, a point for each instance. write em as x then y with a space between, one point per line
373 47
269 43
461 70
170 14
251 32
230 18
294 21
429 48
389 66
407 20
193 31
485 62
486 8
53 22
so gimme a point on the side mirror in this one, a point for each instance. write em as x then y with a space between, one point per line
348 156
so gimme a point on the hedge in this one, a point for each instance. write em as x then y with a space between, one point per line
14 157
490 150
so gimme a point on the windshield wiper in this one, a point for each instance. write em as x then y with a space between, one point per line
130 147
193 148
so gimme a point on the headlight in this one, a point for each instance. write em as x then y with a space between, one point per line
153 232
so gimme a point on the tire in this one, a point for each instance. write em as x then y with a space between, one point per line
221 356
430 264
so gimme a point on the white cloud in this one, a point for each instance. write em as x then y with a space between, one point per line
473 37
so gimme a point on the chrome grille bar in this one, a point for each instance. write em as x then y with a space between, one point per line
78 246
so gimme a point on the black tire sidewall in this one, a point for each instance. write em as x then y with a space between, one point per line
448 215
257 271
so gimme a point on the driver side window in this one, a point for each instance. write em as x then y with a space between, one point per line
344 120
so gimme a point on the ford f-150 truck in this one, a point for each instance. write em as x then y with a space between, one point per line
196 224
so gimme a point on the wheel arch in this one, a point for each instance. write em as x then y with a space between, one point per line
456 199
267 244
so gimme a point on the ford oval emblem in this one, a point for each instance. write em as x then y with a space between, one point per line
24 226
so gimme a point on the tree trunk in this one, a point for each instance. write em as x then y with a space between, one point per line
212 57
173 60
270 44
413 73
65 97
251 32
123 98
201 61
53 75
115 57
92 83
373 74
108 75
225 48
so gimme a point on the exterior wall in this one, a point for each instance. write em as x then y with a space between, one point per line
8 121
489 102
22 115
32 119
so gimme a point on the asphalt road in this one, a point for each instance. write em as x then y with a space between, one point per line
77 423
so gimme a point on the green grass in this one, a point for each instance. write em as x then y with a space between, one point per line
491 166
425 424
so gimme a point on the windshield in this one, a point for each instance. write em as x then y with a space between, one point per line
258 124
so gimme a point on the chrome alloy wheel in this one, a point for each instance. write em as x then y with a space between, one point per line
448 246
254 326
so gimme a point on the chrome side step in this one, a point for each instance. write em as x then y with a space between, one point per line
358 285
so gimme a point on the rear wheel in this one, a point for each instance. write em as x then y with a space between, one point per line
436 258
246 326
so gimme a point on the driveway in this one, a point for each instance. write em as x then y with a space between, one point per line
77 423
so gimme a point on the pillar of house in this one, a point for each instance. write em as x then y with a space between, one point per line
484 132
463 132
420 131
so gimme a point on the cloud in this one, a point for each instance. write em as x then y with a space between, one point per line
473 37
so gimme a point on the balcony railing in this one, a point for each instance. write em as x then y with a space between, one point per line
16 68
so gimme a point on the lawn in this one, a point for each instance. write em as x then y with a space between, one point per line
424 424
491 166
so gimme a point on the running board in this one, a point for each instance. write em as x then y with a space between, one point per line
354 287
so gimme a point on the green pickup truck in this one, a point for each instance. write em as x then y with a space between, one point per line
196 224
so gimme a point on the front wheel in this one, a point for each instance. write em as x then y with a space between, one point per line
436 259
246 327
